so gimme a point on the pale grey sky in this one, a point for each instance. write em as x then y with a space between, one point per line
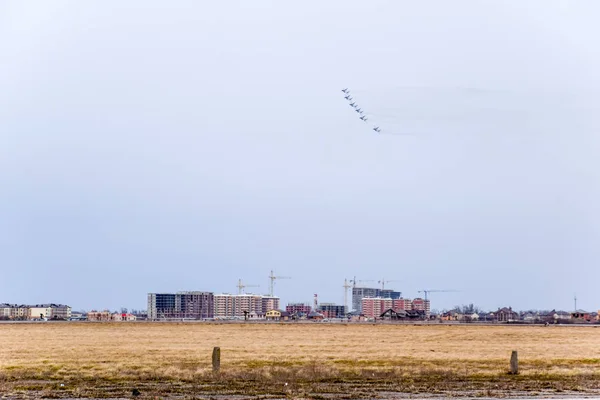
162 146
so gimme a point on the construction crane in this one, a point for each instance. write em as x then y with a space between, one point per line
354 281
435 291
346 286
272 277
242 286
383 282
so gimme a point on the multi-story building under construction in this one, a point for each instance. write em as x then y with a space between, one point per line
358 293
330 310
180 305
298 308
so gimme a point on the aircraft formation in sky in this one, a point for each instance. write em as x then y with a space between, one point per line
363 117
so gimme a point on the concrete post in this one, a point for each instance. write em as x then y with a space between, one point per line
514 363
216 359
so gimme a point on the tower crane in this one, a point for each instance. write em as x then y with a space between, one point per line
354 281
241 286
383 282
346 286
436 291
272 277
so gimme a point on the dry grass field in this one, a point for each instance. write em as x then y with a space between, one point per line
310 360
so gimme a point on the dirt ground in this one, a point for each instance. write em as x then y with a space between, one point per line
288 360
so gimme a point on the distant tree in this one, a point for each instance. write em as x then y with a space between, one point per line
469 309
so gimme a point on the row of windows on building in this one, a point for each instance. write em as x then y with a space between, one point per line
206 305
24 312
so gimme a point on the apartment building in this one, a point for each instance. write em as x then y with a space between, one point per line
373 307
35 311
60 311
270 303
358 293
39 312
49 311
330 310
189 305
237 305
390 294
196 305
5 311
161 306
19 312
420 304
402 304
298 308
234 305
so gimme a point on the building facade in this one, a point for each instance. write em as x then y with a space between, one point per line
358 293
237 305
34 312
373 307
241 305
180 305
390 294
402 304
420 304
5 311
39 312
298 308
99 316
195 305
330 310
270 303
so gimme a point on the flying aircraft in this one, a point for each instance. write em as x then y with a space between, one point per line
358 110
364 118
353 105
345 90
349 98
376 129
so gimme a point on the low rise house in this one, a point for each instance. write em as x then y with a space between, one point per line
123 317
277 315
392 315
581 315
315 316
99 316
486 316
506 314
452 315
356 316
529 317
253 316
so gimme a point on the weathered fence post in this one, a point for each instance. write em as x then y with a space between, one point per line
216 359
514 363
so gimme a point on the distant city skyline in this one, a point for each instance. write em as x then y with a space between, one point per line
155 148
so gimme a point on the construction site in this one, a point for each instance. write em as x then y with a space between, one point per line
367 302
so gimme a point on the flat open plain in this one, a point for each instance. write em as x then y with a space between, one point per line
294 360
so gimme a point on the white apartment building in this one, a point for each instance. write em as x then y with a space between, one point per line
234 305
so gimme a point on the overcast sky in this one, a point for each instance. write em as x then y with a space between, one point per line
151 146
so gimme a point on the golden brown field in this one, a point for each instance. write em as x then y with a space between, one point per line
97 359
